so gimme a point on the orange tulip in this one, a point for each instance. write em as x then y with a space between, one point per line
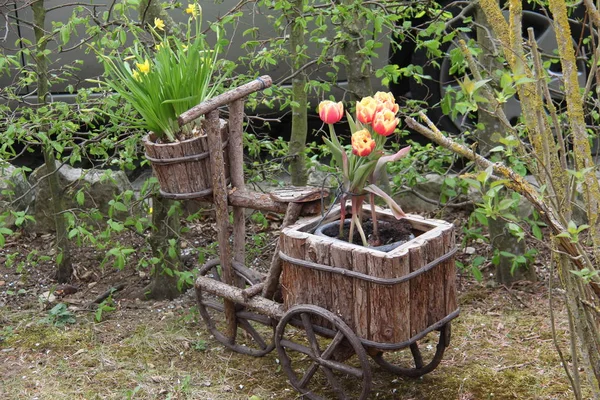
366 109
385 122
386 100
362 143
330 112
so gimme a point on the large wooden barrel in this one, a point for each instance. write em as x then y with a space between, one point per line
386 298
183 168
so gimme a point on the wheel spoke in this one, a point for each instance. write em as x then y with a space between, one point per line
255 335
310 372
338 366
310 334
416 353
335 384
288 344
339 337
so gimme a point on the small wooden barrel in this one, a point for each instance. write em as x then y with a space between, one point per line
388 299
183 168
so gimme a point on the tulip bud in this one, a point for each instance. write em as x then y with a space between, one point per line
362 143
366 109
385 122
331 112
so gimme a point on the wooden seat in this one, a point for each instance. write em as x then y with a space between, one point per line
297 194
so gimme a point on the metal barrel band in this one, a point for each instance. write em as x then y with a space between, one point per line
175 160
365 277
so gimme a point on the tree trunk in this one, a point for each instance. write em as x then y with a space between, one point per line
500 238
358 70
297 145
164 281
63 251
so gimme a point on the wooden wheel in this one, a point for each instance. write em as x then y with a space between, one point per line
420 368
254 334
322 367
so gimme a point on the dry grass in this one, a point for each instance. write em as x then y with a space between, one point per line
501 348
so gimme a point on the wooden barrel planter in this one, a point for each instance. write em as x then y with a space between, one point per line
183 168
389 299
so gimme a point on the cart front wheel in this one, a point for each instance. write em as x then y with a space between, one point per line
420 368
326 366
254 334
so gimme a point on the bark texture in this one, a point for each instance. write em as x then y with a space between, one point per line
64 268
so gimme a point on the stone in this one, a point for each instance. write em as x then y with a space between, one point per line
15 190
99 186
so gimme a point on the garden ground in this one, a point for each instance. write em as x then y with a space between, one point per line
501 348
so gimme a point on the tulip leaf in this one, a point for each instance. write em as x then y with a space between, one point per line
396 209
351 122
362 173
386 159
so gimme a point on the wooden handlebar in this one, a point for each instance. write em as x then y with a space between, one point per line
225 98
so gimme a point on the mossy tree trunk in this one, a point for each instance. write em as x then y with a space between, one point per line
166 227
64 268
574 256
359 70
490 126
297 144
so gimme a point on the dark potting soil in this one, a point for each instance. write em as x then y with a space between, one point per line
389 232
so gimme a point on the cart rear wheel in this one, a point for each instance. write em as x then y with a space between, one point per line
325 366
420 368
255 331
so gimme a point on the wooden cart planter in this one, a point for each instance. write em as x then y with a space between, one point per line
388 299
341 302
183 168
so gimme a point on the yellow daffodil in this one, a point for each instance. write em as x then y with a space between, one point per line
159 46
192 9
159 24
143 68
136 75
184 47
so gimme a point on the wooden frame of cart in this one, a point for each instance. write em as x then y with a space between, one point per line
349 301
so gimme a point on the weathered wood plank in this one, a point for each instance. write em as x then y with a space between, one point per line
381 325
450 274
400 266
294 289
319 282
418 290
342 293
361 294
434 248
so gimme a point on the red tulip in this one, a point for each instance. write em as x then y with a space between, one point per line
366 109
385 122
331 112
362 143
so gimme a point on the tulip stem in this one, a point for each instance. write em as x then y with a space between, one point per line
374 218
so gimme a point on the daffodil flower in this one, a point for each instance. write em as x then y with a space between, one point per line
144 67
159 24
136 75
192 9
